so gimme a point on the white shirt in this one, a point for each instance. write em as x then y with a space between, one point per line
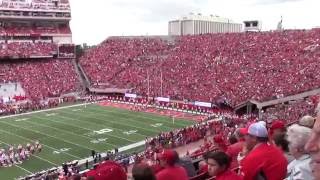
299 169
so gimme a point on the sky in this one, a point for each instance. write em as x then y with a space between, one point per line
95 20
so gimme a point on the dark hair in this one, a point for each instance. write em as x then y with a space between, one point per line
142 172
263 139
220 157
90 178
233 139
281 141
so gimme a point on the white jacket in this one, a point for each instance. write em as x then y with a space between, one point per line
299 169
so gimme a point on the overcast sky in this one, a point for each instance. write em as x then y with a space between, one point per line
93 21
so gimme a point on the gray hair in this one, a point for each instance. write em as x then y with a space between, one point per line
298 135
307 121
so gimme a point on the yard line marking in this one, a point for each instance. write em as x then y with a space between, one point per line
88 122
88 129
84 147
136 115
19 120
144 117
150 130
35 155
66 132
8 132
29 172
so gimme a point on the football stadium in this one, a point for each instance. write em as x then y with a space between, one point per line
214 99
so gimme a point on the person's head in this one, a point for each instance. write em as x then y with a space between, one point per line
307 121
167 158
142 172
256 133
313 147
297 137
281 142
277 127
232 139
218 162
238 134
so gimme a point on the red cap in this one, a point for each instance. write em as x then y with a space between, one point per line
278 124
168 155
243 131
109 170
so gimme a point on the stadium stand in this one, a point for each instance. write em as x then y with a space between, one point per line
27 50
41 78
237 66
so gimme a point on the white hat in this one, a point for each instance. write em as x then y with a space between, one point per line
263 123
258 130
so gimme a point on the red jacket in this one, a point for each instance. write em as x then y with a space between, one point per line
266 159
228 175
233 151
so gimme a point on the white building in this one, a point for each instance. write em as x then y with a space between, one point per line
198 24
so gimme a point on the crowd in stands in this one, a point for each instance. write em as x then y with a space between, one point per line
41 78
34 30
235 66
273 151
292 111
27 49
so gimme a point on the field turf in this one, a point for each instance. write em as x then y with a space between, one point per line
71 133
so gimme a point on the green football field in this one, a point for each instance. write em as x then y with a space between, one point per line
71 133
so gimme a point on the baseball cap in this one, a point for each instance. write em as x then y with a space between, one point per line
168 155
257 129
277 124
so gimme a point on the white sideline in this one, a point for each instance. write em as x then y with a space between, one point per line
44 110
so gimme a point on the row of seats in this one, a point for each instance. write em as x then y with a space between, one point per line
236 66
35 30
27 49
37 4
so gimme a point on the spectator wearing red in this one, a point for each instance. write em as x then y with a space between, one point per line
313 147
218 166
171 171
263 160
220 142
277 127
234 149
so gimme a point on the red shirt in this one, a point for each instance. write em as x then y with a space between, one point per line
233 151
267 159
172 173
228 175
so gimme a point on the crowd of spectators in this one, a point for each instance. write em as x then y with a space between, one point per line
27 49
292 111
235 66
261 151
41 78
34 30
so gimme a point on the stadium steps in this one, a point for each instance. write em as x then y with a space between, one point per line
81 75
